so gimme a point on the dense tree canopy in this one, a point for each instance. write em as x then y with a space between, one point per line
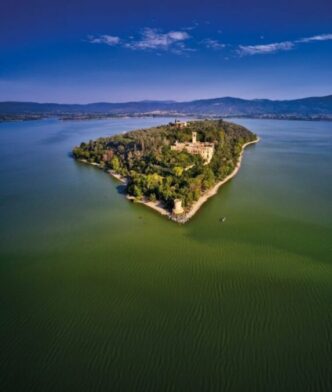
155 171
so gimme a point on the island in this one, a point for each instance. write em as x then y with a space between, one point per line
171 168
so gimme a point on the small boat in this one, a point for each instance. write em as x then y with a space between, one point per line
222 219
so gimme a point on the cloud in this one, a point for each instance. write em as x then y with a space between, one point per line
176 41
322 37
213 44
264 49
244 50
148 39
153 39
110 40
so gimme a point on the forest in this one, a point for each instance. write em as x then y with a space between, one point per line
155 172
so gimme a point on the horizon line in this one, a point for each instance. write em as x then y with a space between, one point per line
166 100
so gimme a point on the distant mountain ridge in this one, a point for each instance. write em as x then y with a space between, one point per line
226 106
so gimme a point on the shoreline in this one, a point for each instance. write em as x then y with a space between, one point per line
158 206
214 190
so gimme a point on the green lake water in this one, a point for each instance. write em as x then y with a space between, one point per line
99 294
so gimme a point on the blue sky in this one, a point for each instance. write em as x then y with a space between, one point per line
87 51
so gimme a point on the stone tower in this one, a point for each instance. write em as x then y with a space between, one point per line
194 137
178 209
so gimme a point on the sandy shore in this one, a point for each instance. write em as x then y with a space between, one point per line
160 208
155 205
89 163
118 177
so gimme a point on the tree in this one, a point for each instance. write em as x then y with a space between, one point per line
152 197
115 163
177 170
208 179
137 192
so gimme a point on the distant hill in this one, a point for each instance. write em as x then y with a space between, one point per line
320 107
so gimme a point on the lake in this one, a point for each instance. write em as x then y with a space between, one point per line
100 294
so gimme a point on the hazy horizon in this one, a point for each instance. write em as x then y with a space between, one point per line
164 100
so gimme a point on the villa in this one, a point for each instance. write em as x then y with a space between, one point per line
205 150
179 124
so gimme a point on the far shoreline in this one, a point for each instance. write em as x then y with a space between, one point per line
158 206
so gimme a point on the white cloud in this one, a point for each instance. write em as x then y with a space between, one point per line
155 40
176 41
322 37
110 40
264 49
244 50
213 44
148 39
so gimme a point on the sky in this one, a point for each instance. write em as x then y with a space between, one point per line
81 51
